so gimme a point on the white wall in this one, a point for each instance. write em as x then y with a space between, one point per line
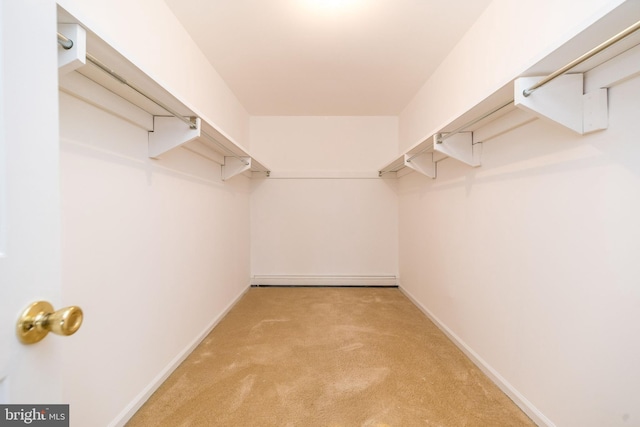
529 260
154 251
148 34
310 224
508 38
532 262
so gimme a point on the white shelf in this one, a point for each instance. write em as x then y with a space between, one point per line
90 83
425 147
615 64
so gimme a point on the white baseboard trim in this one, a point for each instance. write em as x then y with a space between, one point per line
133 407
527 407
291 280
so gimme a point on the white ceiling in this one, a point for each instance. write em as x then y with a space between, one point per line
326 57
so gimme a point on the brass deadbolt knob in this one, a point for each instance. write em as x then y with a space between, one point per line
39 319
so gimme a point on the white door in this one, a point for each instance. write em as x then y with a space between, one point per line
29 196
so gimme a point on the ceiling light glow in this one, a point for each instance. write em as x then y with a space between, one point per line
331 5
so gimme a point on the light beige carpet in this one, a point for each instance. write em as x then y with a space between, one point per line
328 357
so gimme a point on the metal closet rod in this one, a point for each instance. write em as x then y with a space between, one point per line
64 41
624 33
583 58
384 172
67 44
443 136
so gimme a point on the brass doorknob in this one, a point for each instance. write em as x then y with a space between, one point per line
39 319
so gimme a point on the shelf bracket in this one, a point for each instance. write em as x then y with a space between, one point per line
422 163
76 56
169 133
562 101
459 146
235 166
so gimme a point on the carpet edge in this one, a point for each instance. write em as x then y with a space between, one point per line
130 410
522 402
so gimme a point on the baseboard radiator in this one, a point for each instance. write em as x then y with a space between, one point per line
325 281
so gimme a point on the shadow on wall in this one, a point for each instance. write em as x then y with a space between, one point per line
179 164
126 145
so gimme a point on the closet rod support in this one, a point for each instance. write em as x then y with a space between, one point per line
219 144
72 39
419 153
